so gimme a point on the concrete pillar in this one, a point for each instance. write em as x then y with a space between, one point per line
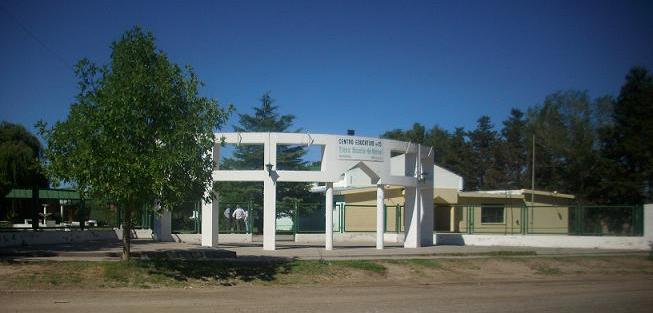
162 228
210 219
270 194
411 220
426 215
452 219
269 214
211 208
61 212
328 215
380 212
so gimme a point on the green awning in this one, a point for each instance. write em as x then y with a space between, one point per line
64 194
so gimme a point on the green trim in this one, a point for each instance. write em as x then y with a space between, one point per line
63 194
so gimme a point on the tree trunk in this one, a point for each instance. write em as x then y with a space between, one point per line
126 235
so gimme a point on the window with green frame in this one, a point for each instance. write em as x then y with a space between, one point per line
492 213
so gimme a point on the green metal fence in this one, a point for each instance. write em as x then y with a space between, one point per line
592 220
292 217
186 218
310 218
229 224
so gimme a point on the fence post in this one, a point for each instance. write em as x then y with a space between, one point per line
581 217
526 218
344 219
521 217
469 219
639 222
295 223
397 219
385 218
295 219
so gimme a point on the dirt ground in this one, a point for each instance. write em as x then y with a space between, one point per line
607 294
490 284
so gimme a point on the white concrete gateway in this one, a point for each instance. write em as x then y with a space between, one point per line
339 153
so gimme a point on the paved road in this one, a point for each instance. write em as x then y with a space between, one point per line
635 295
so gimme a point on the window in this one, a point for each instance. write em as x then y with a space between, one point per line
491 213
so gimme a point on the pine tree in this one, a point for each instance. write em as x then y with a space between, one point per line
289 157
628 143
483 142
513 152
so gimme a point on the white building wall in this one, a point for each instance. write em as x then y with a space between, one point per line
442 177
446 179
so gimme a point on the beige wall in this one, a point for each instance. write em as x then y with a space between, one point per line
547 215
360 211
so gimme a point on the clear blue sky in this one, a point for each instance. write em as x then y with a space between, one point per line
372 66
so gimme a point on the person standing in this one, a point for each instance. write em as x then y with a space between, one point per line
227 215
239 215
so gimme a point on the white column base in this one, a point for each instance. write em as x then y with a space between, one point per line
210 216
380 212
269 215
328 214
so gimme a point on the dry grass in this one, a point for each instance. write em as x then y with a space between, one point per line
198 274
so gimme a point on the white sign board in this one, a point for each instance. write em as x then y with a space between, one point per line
360 149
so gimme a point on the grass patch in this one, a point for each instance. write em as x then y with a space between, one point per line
543 269
369 266
506 253
424 263
197 273
311 267
177 273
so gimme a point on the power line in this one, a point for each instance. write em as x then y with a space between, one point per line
35 38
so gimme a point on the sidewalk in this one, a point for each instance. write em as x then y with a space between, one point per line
111 250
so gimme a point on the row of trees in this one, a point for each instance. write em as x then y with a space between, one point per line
597 149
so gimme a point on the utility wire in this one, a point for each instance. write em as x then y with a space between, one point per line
59 58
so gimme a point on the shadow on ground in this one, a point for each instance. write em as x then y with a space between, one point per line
224 271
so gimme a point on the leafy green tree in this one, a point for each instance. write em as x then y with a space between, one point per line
566 137
458 157
440 139
417 134
138 133
289 157
20 153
